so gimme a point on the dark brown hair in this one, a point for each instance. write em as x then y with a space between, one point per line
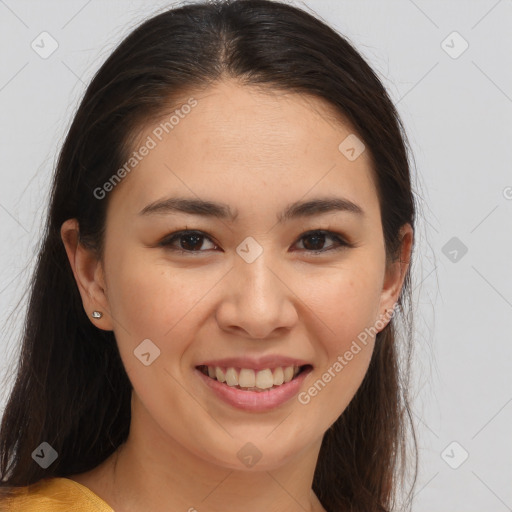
71 389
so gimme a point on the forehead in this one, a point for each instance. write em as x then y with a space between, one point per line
257 142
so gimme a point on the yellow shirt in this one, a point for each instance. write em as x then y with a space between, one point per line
55 495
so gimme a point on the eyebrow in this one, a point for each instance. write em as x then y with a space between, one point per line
204 208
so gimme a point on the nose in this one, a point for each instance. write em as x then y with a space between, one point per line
257 301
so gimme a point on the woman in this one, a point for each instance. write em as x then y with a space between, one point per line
229 236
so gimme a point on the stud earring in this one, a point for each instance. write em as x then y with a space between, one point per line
97 314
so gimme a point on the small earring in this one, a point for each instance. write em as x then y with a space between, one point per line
97 314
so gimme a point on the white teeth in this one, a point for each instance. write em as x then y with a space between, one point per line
247 378
231 377
264 379
278 376
251 379
219 374
288 373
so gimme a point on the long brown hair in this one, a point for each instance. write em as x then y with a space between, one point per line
71 389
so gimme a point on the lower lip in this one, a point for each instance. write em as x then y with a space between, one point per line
256 401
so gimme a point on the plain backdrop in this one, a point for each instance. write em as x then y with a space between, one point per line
447 66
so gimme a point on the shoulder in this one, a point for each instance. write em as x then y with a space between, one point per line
54 495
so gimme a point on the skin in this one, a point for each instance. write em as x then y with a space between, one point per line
256 150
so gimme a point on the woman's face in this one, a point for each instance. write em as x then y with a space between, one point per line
249 288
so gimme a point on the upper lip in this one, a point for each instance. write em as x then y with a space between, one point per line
256 363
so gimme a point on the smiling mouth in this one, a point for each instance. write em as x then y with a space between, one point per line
252 380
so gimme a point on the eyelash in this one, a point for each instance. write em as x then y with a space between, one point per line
342 244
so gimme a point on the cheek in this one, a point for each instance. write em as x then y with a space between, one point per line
345 301
345 306
149 300
346 312
149 296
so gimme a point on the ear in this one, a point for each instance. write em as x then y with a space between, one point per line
395 275
89 277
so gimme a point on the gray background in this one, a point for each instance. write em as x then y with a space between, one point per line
457 109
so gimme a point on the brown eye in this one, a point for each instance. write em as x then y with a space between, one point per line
191 242
314 240
188 241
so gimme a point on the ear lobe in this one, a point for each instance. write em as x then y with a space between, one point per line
88 272
396 271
